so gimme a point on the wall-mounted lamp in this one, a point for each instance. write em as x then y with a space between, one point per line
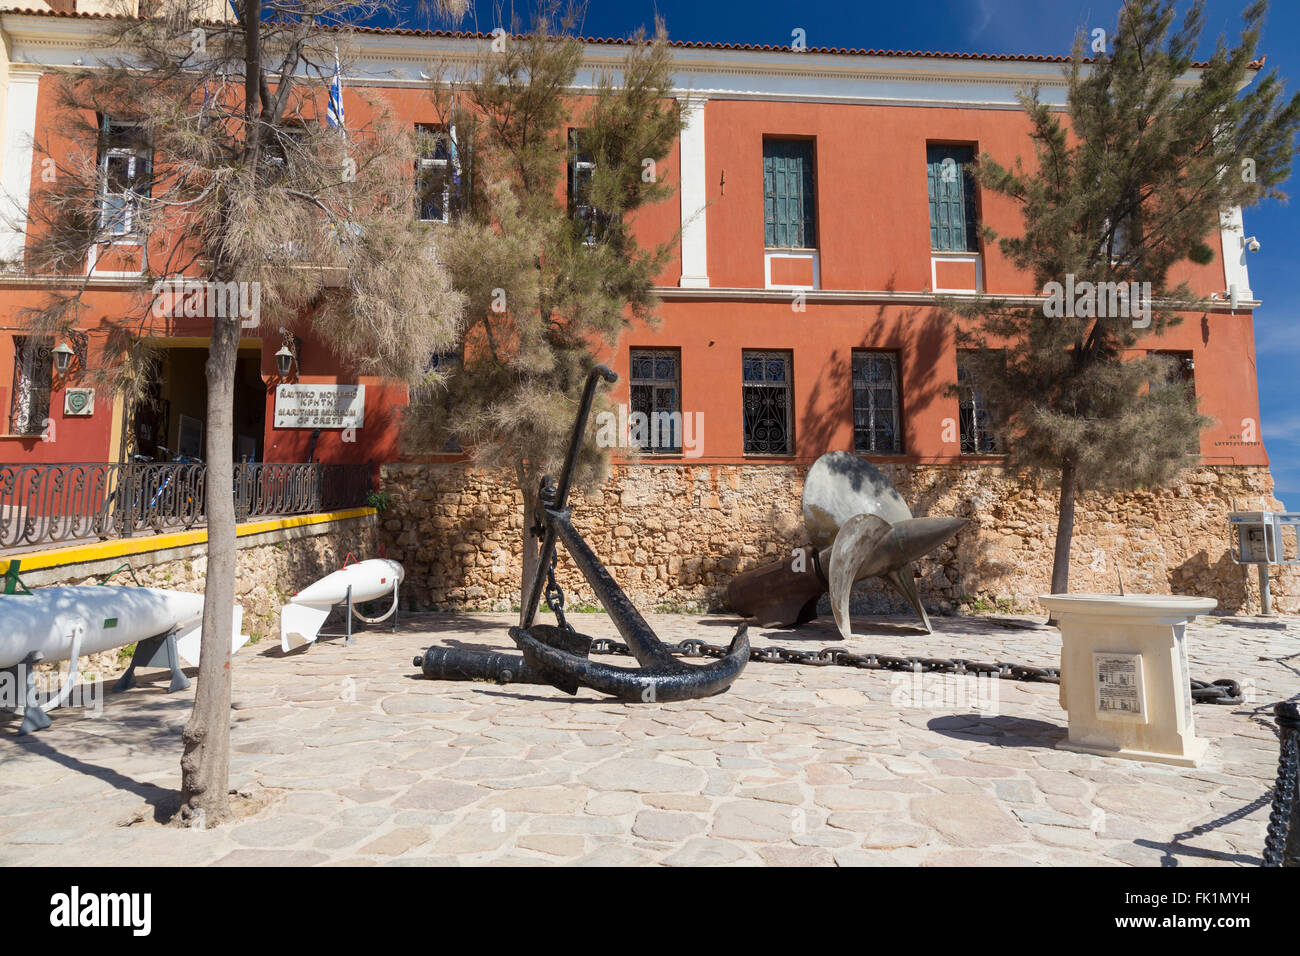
284 361
287 357
62 358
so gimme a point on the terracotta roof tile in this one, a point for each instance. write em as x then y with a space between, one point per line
681 44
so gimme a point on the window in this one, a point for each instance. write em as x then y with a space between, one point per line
1126 232
789 200
655 385
953 221
977 436
437 174
582 167
445 363
33 371
875 403
1180 370
280 148
766 400
125 162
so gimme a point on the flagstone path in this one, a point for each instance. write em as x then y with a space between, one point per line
362 761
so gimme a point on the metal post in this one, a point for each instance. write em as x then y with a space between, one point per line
1282 845
1265 598
348 638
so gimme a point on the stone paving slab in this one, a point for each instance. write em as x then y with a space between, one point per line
364 762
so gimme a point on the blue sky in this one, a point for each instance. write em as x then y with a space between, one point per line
1019 26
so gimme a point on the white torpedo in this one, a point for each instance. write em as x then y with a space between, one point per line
63 623
302 617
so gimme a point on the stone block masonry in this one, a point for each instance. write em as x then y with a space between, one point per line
673 535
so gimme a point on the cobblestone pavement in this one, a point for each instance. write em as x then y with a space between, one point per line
365 762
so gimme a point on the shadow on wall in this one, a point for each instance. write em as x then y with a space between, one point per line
1224 580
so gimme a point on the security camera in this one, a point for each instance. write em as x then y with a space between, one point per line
1251 243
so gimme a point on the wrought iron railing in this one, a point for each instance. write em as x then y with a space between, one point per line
50 504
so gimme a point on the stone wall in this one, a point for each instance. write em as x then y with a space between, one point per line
674 535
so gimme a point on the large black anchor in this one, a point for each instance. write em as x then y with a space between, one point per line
558 655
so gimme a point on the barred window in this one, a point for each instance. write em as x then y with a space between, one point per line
875 403
977 435
655 386
767 402
33 374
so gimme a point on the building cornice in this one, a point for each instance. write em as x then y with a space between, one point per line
887 297
677 294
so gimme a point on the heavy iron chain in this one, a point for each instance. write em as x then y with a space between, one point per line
1218 692
1279 820
555 596
1224 691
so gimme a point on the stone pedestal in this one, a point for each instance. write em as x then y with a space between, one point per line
1124 675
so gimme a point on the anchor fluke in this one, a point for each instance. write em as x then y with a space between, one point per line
672 681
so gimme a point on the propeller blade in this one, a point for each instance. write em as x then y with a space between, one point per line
860 551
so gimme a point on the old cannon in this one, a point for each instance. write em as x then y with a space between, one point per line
558 654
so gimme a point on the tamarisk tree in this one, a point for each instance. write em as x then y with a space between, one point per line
240 180
539 239
1127 185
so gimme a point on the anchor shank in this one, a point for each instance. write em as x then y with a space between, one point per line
641 640
579 429
560 497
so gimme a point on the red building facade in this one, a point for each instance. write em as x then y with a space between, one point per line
818 226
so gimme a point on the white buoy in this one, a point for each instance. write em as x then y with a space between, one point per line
302 617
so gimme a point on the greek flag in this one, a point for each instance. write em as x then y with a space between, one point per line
334 115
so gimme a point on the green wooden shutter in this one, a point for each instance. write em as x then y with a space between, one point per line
788 195
952 199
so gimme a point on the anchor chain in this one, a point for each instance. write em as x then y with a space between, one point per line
1217 692
555 597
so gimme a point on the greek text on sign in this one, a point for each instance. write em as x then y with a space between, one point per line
1118 682
320 406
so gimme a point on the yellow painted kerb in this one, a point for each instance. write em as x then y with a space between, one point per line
125 547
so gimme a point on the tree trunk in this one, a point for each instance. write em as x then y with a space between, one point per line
205 765
532 543
1064 531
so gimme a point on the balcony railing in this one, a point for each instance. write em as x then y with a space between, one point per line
64 503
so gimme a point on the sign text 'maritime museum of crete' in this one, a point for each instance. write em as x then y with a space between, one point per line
320 406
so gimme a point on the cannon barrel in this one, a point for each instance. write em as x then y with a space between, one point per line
462 663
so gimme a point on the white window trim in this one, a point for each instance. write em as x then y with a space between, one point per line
803 255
